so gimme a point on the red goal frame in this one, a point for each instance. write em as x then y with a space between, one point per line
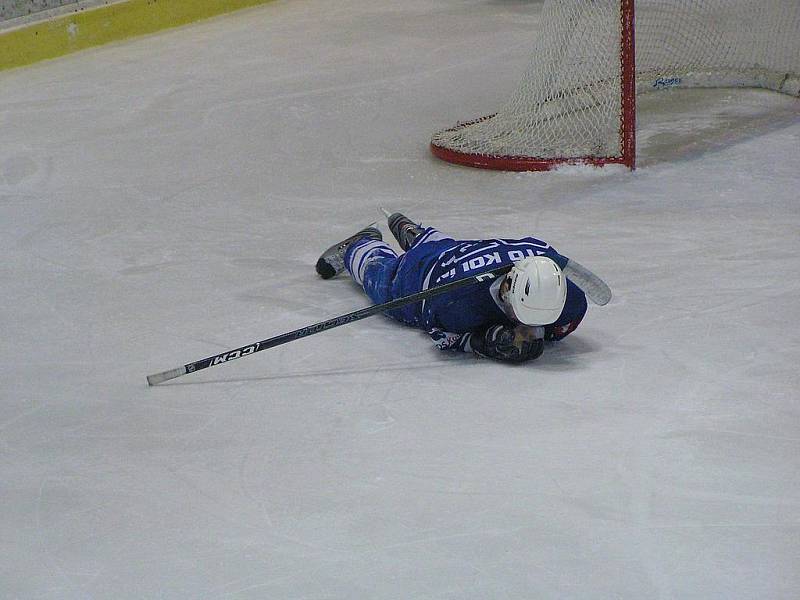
627 125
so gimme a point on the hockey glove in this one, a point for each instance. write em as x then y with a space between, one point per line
509 344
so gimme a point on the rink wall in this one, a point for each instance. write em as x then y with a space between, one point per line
35 33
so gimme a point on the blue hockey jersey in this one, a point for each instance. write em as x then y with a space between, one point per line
434 260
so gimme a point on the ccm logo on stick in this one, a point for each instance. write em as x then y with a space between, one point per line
233 355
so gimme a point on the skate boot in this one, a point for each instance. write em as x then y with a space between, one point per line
331 263
404 230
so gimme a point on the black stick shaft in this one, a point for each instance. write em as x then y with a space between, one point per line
291 336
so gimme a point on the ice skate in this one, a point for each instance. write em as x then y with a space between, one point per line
403 229
331 263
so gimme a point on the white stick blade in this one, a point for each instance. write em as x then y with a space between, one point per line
594 287
165 376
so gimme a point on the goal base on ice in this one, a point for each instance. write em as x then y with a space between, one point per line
521 163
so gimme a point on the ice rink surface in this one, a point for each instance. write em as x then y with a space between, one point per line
165 199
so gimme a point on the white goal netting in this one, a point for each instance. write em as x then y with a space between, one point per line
569 103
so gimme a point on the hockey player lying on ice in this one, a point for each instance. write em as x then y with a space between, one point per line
506 319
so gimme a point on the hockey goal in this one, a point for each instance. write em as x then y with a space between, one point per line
576 102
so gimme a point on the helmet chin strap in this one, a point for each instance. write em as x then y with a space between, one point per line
505 286
500 294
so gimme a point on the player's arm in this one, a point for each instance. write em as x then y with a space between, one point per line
501 342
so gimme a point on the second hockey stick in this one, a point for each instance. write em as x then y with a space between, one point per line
291 336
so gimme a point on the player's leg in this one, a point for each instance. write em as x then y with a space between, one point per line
370 261
372 264
331 263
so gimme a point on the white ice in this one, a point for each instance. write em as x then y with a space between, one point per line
165 199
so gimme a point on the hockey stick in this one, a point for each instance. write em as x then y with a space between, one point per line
594 287
291 336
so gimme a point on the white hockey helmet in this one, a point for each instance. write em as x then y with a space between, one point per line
538 291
